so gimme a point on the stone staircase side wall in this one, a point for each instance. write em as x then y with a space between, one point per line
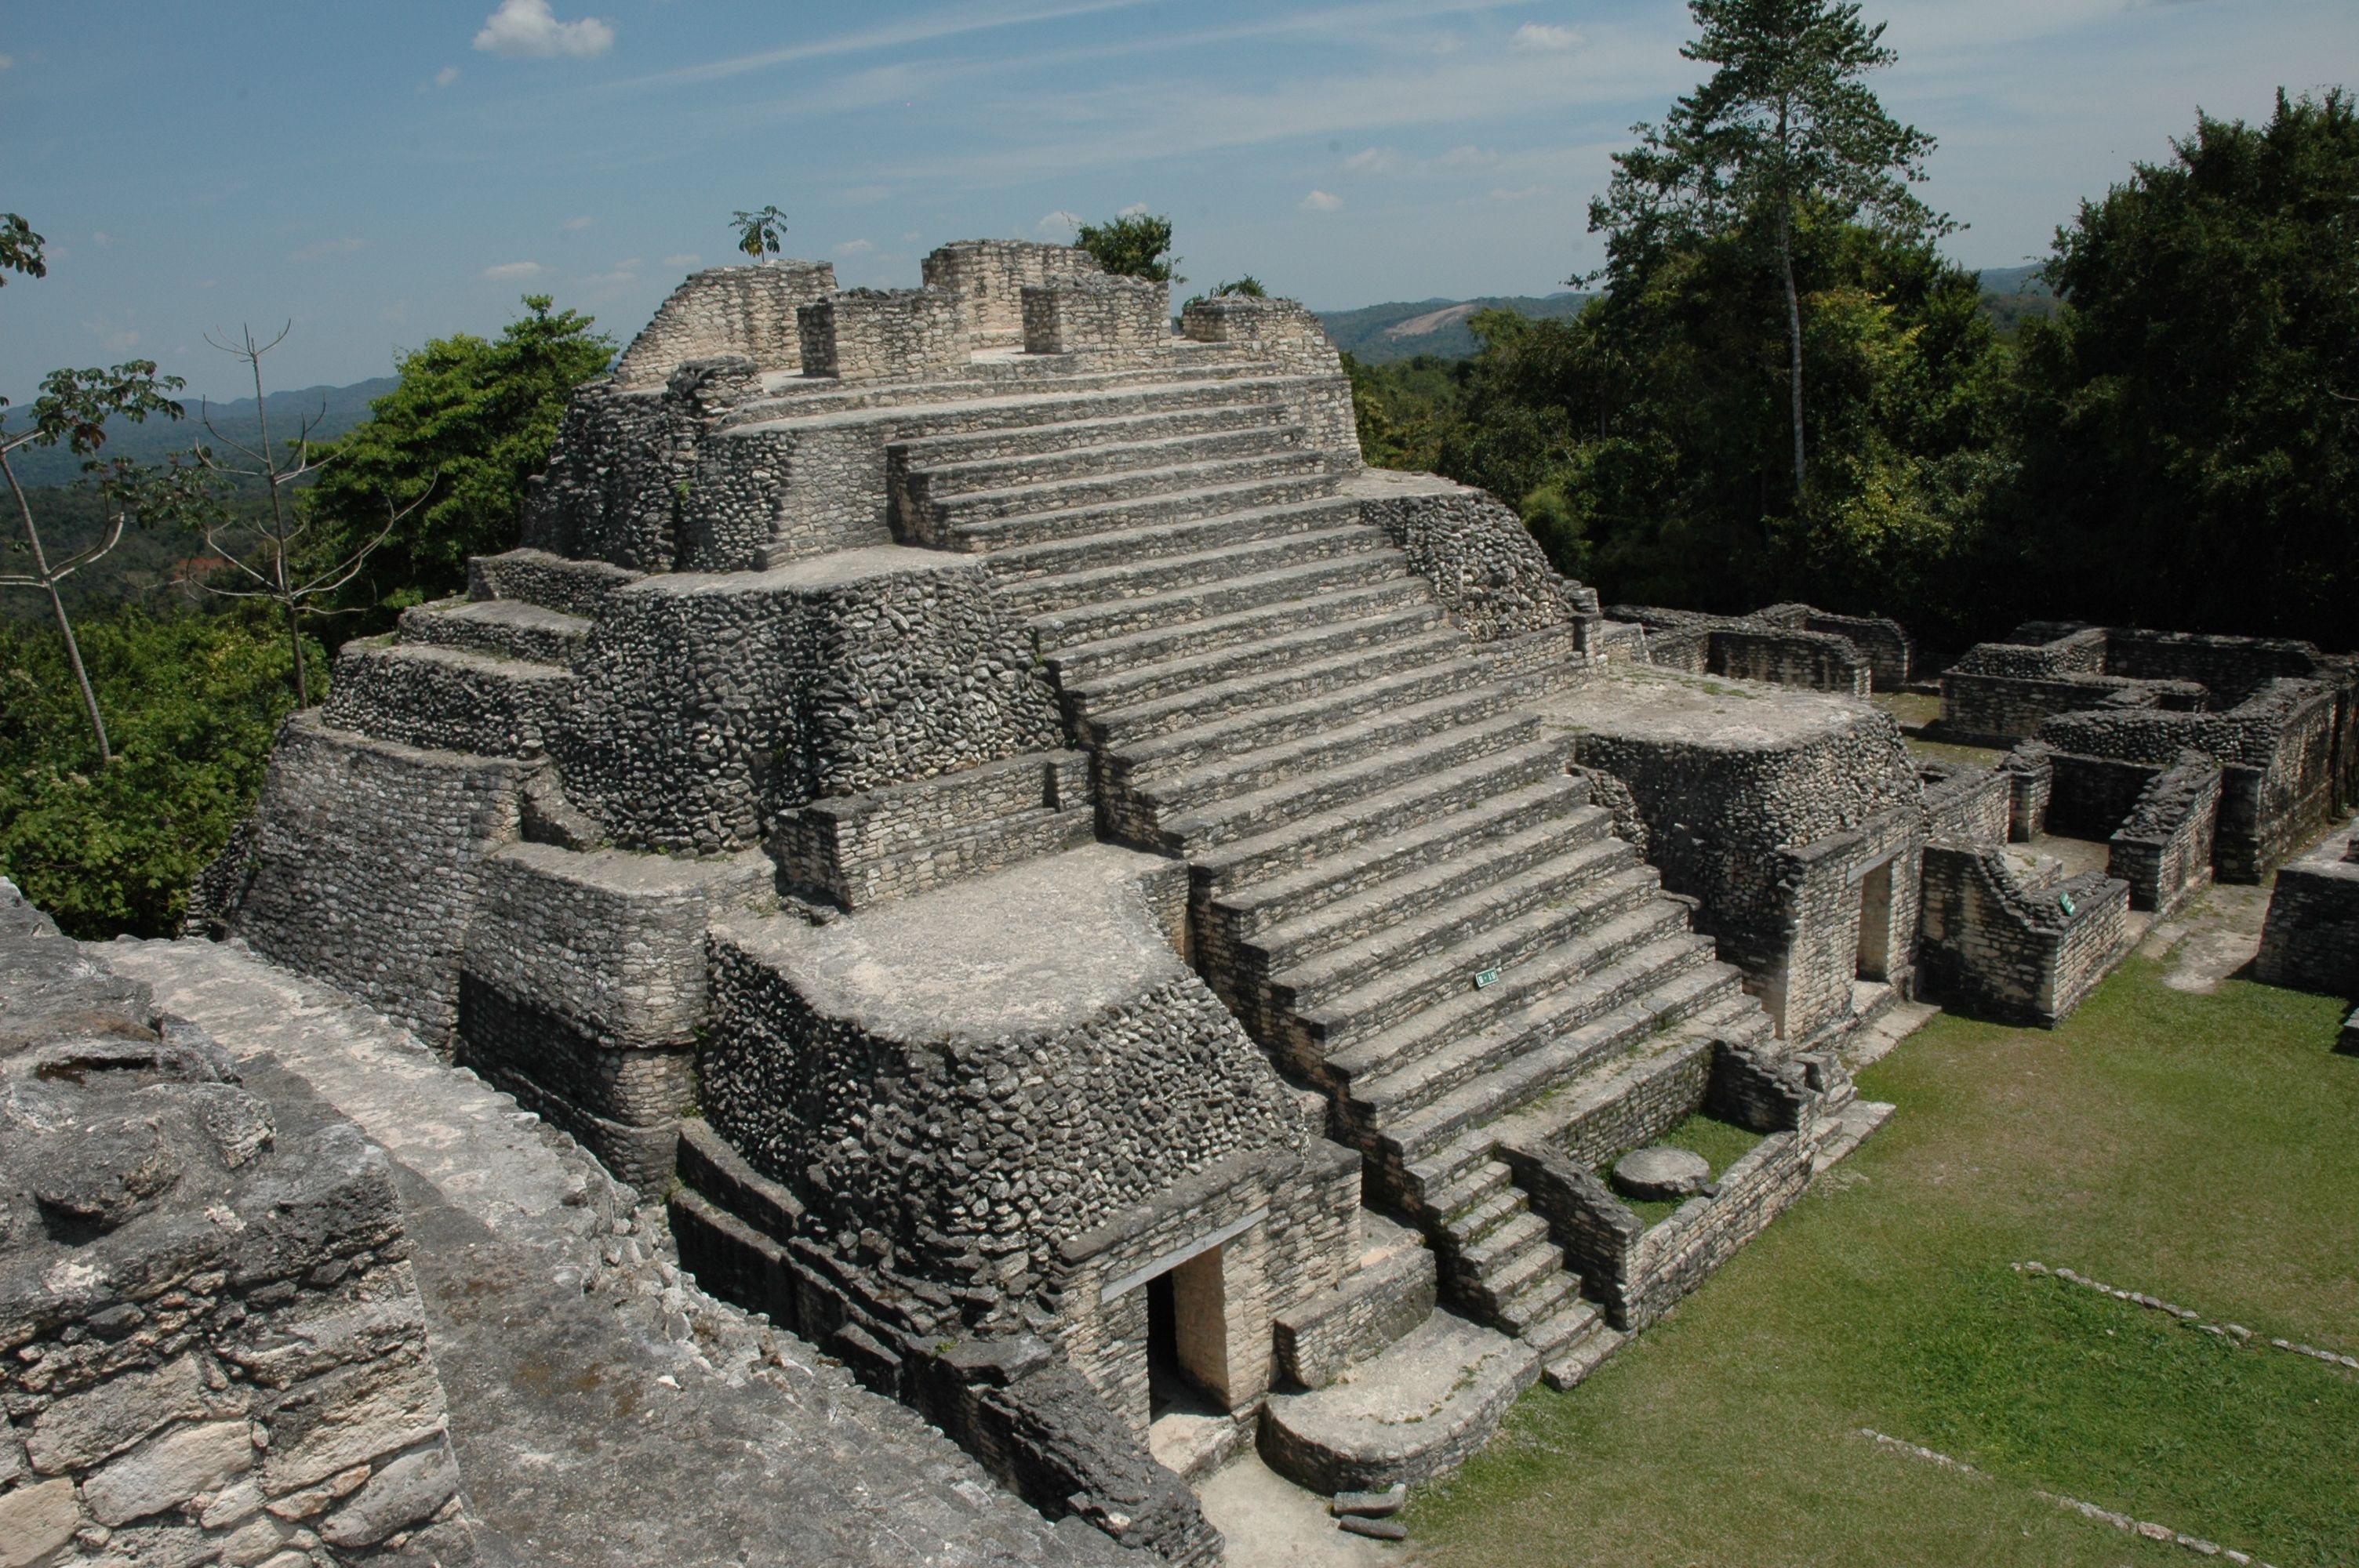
710 706
989 278
748 311
1330 1332
366 866
233 1363
1485 567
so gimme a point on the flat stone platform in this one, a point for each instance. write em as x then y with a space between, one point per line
1709 712
605 1412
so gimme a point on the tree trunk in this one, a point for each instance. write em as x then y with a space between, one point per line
1793 335
58 609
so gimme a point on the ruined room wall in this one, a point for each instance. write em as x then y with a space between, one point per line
747 310
2310 939
1485 567
212 1348
2163 847
2000 951
1816 661
884 334
1079 315
989 278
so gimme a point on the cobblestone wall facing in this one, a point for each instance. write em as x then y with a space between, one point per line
747 310
1080 315
884 334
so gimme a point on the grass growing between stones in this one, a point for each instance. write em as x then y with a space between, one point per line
2196 1147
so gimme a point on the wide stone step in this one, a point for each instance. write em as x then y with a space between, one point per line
1399 921
1228 709
1732 1016
1572 1013
1205 494
1387 847
1285 645
1195 535
1184 609
1501 1268
1251 792
1362 1003
1413 766
554 582
1473 1189
1552 1335
959 514
927 483
1583 1354
506 627
1531 1072
446 699
1186 648
1212 418
1365 548
1494 1209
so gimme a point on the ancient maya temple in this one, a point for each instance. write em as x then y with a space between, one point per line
1133 932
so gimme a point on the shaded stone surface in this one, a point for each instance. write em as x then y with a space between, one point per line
1657 1173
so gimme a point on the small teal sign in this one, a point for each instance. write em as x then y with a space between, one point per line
1486 977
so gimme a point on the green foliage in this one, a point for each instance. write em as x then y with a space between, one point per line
472 420
1246 288
1137 244
20 248
758 233
2188 421
1402 409
192 702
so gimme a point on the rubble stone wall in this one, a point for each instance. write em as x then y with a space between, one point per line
1997 949
884 334
1082 314
1816 661
1486 569
2163 848
989 278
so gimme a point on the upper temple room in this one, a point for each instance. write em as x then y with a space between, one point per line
1076 782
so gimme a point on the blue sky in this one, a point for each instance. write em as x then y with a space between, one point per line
386 172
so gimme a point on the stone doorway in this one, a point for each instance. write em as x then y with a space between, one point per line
1873 961
1188 1338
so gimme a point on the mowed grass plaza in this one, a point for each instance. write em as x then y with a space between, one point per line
2201 1148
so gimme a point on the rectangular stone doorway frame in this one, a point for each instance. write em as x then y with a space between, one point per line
1873 961
1187 1323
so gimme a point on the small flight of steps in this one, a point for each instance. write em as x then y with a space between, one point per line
1400 889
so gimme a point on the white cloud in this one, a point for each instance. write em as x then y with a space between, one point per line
1059 225
101 239
446 76
1449 43
527 28
325 248
1372 160
114 339
1468 156
509 270
1544 35
575 225
5 61
621 278
1320 202
685 258
1135 210
855 248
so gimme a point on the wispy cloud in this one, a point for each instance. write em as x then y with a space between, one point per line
856 247
1059 225
507 272
528 29
919 30
322 249
1372 160
685 258
1546 38
6 62
575 225
446 76
1320 202
1135 210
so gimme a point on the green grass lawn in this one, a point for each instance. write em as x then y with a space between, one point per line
2204 1148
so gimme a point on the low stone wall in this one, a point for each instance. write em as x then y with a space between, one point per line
1282 329
437 701
989 278
748 311
1322 1335
213 1347
884 334
1891 653
2163 848
1999 709
366 866
2030 771
1816 661
2310 939
1083 314
1991 948
1967 805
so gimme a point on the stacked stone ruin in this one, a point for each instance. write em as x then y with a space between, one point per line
1061 860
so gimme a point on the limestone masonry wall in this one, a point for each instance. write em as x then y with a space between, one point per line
2006 952
213 1347
748 311
989 278
1077 315
1486 569
884 334
2311 940
2163 848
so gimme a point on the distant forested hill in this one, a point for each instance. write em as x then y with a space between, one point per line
337 409
1379 334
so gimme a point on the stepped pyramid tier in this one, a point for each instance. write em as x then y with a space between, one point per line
1092 890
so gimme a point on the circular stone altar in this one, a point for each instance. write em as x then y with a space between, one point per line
1657 1172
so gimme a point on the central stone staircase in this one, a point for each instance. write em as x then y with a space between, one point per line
1397 885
